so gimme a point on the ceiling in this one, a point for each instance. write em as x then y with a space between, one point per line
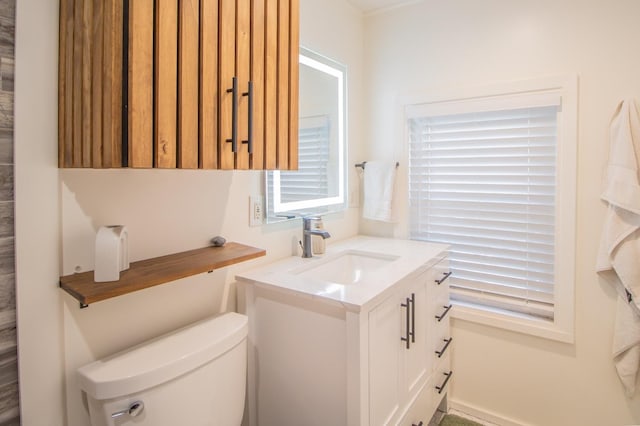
370 6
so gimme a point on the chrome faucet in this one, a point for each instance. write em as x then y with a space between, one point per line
307 232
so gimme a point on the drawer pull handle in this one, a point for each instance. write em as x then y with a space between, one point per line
444 314
408 333
444 348
444 384
444 278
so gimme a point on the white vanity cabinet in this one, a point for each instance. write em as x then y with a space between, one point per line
357 354
398 373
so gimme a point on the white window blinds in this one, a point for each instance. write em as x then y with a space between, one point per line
485 183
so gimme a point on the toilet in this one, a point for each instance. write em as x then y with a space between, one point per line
193 376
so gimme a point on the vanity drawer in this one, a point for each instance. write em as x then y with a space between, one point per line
428 400
440 381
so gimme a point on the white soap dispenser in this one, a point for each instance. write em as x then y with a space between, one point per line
112 253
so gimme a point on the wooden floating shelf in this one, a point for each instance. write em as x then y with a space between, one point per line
151 272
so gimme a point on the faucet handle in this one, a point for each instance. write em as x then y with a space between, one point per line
306 221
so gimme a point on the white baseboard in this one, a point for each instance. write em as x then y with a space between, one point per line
481 416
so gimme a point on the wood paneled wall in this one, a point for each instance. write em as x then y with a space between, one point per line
9 400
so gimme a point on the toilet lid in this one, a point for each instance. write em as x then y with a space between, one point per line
163 358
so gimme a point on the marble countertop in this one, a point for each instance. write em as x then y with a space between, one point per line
398 259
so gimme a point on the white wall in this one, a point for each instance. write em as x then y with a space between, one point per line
38 299
166 211
458 43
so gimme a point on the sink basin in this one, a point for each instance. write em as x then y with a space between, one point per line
348 267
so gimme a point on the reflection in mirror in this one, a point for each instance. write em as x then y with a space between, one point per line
319 184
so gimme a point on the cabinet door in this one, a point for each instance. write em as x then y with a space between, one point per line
170 103
209 90
385 346
90 84
241 64
397 352
227 141
416 366
280 144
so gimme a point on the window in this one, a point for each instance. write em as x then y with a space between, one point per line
485 178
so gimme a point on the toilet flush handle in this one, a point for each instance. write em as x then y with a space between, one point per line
134 410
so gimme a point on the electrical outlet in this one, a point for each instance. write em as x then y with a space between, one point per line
255 211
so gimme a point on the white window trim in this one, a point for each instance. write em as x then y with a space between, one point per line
566 86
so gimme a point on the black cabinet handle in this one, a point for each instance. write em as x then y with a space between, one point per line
444 348
249 140
442 386
444 278
444 314
408 333
234 115
413 317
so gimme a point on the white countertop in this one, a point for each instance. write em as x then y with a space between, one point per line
409 256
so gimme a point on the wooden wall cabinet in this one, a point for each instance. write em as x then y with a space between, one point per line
179 84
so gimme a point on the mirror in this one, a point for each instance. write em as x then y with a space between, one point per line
319 184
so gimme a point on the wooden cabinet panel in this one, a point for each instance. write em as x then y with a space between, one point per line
243 72
97 37
140 89
149 86
112 85
208 96
270 86
258 16
188 71
166 83
65 85
90 83
282 106
227 37
294 66
281 85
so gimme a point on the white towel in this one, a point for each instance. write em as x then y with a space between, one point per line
620 243
379 182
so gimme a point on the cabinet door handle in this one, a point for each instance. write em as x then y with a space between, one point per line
444 278
444 384
413 317
234 115
408 323
444 314
249 140
444 348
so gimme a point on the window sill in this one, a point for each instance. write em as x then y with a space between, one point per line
512 321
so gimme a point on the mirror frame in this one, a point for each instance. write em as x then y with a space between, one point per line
332 203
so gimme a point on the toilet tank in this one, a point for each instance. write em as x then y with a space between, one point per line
193 376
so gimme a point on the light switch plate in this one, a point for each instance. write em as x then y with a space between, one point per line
256 213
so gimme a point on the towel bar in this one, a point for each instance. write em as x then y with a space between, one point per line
361 165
